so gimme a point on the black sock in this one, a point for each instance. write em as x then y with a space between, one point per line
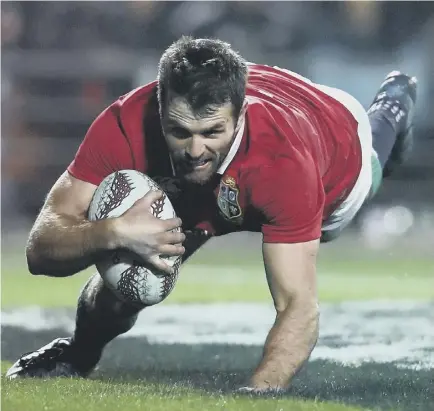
100 318
383 135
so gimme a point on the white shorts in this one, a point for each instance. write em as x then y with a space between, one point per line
343 215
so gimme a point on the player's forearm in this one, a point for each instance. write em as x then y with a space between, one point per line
61 246
288 345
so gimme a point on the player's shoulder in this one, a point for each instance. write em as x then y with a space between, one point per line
273 89
138 97
131 109
264 71
278 87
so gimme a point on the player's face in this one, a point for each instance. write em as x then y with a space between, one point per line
198 144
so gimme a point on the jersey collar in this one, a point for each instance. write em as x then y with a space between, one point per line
236 143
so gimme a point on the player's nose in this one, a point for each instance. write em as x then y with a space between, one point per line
195 148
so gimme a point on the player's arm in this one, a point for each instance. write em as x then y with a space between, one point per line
63 242
291 197
291 274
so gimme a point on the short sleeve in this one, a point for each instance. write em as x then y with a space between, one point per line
290 196
105 149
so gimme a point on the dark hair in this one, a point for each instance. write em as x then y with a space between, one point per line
207 72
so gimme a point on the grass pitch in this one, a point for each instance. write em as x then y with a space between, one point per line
109 395
208 277
222 277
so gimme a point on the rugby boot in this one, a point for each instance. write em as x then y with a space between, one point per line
396 99
56 359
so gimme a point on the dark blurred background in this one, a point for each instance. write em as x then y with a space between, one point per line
63 62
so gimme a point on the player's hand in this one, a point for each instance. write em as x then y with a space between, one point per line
139 231
254 391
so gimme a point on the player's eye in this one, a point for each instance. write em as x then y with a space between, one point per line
179 132
212 133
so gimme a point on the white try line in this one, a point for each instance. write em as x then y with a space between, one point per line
350 334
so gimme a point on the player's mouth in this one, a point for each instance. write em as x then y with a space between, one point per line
199 165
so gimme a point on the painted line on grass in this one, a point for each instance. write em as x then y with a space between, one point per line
351 334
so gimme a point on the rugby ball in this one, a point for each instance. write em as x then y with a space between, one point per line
131 281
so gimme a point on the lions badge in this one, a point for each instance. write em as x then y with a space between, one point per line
228 200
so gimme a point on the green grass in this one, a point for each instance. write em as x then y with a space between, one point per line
93 395
209 277
214 277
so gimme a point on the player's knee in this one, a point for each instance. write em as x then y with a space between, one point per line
97 297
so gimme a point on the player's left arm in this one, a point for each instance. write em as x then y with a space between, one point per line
291 275
292 200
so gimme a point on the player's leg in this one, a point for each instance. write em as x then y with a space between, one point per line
100 318
385 134
391 117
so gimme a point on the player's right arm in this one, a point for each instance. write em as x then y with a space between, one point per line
63 241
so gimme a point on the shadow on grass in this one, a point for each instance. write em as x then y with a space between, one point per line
222 368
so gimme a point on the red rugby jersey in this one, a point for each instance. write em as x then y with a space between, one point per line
298 158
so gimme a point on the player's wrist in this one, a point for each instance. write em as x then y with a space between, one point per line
110 233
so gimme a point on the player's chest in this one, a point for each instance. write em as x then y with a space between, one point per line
230 200
225 208
233 206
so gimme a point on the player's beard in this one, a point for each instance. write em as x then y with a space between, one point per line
190 175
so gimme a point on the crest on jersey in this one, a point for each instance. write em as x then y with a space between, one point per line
228 200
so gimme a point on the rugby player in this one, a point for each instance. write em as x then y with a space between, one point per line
237 147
